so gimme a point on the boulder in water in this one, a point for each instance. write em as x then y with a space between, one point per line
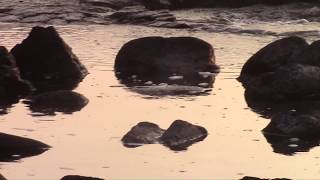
14 147
12 87
159 56
47 61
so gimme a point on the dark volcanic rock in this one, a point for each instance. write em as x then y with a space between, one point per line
287 69
76 177
12 87
179 136
154 56
273 56
14 148
57 101
143 133
47 61
295 124
182 134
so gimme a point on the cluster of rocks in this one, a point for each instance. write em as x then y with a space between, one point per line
42 63
44 70
179 136
284 77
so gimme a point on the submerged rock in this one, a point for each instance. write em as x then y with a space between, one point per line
255 178
76 177
154 56
294 125
182 134
143 133
12 87
57 101
14 147
179 136
47 61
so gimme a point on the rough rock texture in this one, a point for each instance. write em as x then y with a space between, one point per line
76 177
154 56
57 101
114 4
182 134
140 16
12 87
273 56
180 4
179 136
287 69
295 124
47 61
14 147
143 133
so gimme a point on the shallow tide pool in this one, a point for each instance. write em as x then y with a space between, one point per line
88 142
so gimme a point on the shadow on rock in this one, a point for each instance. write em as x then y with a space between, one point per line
160 66
76 177
56 101
178 137
13 148
45 60
294 126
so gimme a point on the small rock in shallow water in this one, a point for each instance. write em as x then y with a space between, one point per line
143 133
76 177
182 134
179 136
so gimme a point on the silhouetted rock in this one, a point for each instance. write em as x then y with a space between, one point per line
179 136
294 125
154 56
273 56
57 101
286 69
12 87
255 178
13 147
47 61
2 178
143 133
76 177
182 134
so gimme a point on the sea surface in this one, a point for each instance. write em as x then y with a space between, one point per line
88 142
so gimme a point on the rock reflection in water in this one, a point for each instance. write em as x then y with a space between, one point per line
13 148
159 86
56 101
294 125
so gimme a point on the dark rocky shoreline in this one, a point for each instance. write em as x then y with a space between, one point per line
134 12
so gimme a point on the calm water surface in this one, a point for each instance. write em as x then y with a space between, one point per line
88 142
